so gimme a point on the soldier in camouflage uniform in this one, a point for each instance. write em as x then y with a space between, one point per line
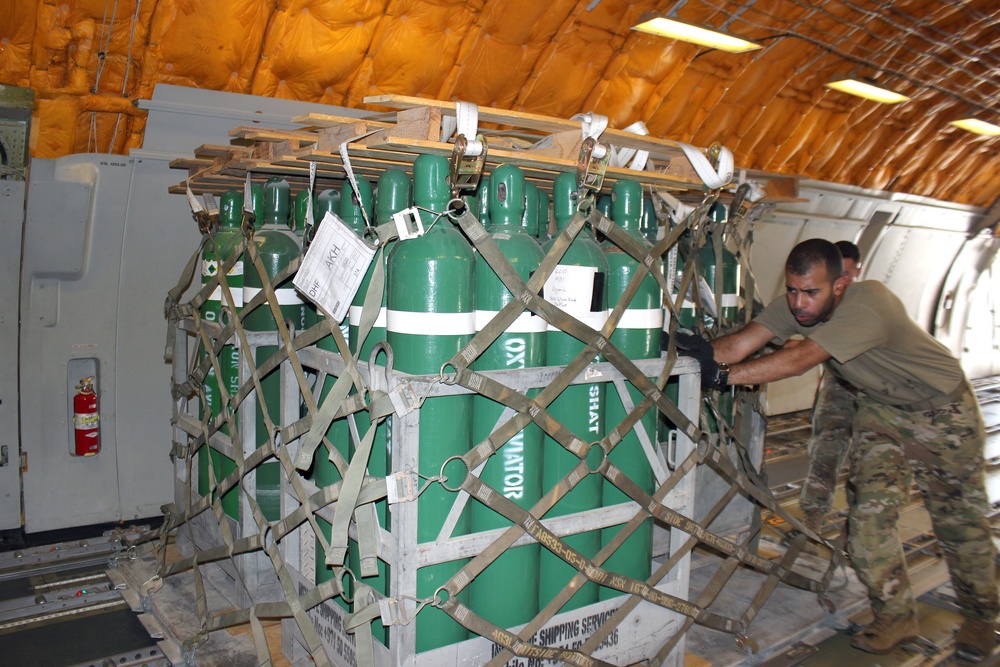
917 414
942 448
836 404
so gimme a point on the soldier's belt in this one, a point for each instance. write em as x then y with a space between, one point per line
937 402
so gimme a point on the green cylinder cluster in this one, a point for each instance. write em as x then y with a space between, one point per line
529 220
579 287
724 283
277 246
349 206
439 292
430 316
392 195
219 249
637 335
515 470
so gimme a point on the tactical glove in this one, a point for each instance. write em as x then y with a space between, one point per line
696 347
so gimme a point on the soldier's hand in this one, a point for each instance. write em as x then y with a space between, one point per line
694 346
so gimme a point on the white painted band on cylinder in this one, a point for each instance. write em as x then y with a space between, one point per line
287 296
730 300
641 318
430 324
237 293
354 317
526 322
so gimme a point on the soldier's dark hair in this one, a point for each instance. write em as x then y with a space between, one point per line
812 252
849 251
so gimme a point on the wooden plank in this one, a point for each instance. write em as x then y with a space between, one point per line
400 153
190 163
422 123
330 138
674 176
267 150
319 120
565 145
215 150
535 122
253 133
782 189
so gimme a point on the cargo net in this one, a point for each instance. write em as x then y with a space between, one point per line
296 499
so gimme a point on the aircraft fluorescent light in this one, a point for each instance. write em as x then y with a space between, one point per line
867 91
978 126
687 32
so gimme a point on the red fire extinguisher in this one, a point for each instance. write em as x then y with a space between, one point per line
86 418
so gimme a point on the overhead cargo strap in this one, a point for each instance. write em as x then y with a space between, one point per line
309 231
350 171
715 177
594 156
469 154
620 157
593 125
467 114
201 216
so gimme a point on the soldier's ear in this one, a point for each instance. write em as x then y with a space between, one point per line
839 285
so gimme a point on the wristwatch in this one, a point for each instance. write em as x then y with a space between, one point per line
722 380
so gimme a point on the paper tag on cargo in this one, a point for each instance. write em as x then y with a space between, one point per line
334 266
571 288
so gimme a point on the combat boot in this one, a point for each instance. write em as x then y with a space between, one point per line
976 639
885 633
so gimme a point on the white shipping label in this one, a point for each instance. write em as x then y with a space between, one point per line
571 288
333 267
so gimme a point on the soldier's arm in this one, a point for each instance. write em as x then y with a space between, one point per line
737 346
785 363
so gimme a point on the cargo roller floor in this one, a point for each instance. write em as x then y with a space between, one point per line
80 640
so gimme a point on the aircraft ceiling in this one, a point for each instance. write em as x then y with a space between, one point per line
89 60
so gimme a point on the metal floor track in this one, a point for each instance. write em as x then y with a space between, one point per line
61 605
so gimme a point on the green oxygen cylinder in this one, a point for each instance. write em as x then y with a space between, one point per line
650 225
638 337
515 470
604 205
301 211
544 215
479 203
277 246
578 286
725 284
726 281
529 220
216 309
393 195
326 473
673 271
327 201
687 314
299 225
257 203
430 316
